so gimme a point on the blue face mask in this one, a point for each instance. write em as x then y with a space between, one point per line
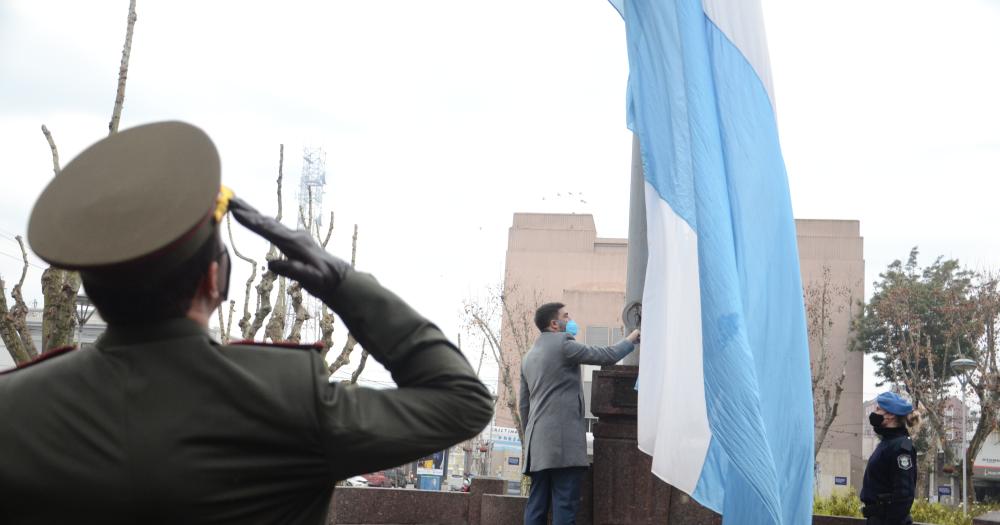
572 328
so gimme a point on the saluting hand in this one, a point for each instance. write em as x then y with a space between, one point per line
306 262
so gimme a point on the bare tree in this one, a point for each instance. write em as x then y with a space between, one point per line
268 277
244 322
14 326
503 322
824 301
345 352
116 114
59 287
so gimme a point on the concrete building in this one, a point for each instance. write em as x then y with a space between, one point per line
559 257
833 251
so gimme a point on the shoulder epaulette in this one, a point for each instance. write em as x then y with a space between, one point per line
44 356
317 346
907 444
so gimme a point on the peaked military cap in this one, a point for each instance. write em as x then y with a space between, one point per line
893 403
140 201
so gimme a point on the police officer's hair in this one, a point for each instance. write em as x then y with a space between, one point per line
168 297
545 314
913 421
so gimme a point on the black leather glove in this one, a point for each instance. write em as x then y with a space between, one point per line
306 262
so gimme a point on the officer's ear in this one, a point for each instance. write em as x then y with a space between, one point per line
208 288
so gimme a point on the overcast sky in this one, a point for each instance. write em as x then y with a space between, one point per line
442 119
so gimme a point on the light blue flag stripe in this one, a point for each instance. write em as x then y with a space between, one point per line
710 150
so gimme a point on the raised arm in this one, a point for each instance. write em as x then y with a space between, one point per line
439 402
599 355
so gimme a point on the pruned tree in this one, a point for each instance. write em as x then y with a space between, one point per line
503 322
825 301
14 325
244 322
266 284
59 287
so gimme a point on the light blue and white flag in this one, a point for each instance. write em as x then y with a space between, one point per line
725 403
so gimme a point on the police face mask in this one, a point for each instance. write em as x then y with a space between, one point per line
876 420
572 328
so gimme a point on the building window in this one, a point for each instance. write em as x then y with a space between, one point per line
597 335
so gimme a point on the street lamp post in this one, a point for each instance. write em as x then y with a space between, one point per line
962 366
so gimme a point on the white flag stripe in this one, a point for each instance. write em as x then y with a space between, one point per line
673 421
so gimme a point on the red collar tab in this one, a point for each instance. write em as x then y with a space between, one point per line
44 356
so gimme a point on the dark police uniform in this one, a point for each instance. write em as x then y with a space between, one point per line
159 423
890 479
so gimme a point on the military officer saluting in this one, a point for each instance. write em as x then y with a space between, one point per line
158 423
891 474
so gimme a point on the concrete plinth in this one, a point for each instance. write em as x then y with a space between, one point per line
625 491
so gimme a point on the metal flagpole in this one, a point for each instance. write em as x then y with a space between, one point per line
635 276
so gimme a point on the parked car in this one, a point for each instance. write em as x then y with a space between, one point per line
356 481
377 479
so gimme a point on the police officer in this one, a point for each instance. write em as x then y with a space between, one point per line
891 474
158 423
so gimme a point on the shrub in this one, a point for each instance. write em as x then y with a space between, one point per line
838 505
922 511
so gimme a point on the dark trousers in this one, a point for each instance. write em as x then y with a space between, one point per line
558 488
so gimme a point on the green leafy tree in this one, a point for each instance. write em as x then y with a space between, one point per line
917 321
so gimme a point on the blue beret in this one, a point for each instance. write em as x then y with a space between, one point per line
894 404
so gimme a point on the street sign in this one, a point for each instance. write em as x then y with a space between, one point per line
840 480
944 490
513 461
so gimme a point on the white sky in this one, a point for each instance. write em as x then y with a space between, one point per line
442 119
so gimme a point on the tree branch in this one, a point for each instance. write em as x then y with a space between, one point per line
229 323
361 367
8 331
116 114
345 354
281 165
329 232
52 146
244 322
19 313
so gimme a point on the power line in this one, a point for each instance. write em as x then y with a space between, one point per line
19 259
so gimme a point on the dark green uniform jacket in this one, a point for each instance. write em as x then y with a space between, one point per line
161 424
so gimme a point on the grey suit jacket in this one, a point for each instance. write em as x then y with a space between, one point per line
551 401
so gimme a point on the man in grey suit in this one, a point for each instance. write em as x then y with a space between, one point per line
552 412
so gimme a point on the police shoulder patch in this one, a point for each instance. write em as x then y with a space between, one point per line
904 461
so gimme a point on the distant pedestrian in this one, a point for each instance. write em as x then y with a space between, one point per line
552 413
891 475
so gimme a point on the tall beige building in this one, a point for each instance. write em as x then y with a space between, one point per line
836 249
558 257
